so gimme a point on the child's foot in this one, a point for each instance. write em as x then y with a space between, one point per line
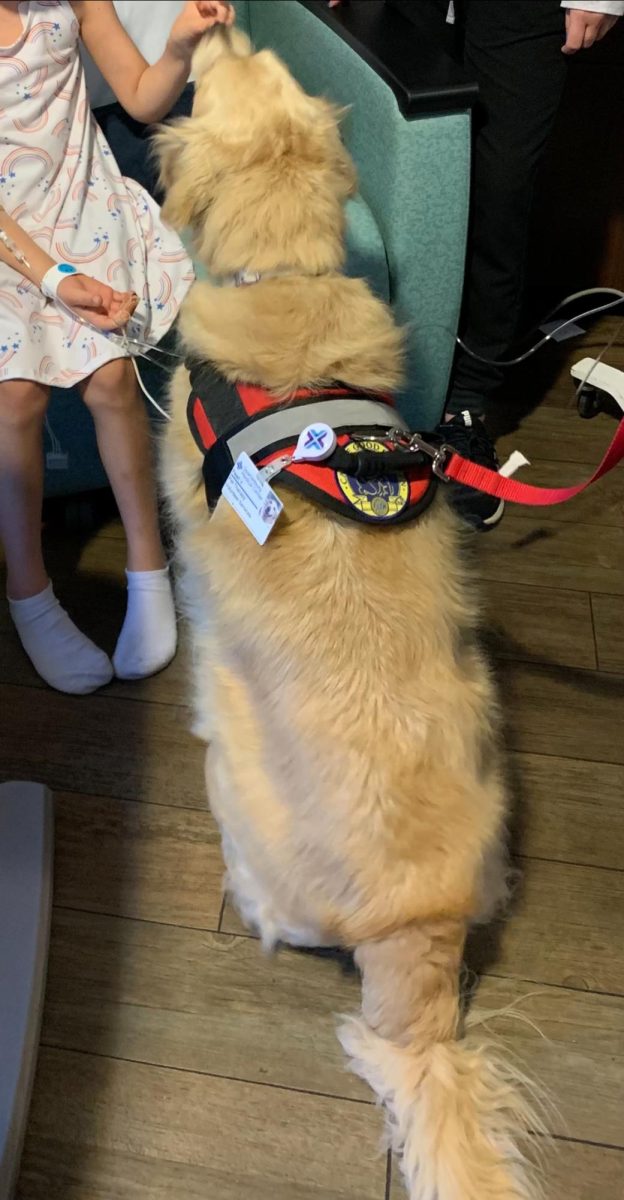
149 635
62 655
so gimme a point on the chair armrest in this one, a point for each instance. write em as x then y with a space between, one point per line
428 81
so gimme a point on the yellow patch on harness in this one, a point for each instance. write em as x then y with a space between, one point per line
376 498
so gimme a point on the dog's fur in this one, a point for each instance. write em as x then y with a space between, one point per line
349 715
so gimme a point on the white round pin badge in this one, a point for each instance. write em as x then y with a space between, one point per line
315 443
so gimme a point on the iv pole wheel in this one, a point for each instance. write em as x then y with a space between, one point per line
590 403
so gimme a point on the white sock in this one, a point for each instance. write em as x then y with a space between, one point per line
62 655
149 634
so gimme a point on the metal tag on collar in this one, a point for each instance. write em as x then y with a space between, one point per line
315 443
245 278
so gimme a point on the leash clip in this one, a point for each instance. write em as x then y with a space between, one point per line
414 443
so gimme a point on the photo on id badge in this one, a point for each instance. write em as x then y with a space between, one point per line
270 510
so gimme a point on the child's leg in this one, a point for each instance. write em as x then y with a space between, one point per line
62 655
22 410
148 638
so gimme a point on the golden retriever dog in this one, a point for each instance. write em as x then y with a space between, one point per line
349 716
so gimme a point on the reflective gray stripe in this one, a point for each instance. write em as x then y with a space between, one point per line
289 422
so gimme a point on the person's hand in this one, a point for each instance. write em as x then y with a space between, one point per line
196 18
584 28
96 303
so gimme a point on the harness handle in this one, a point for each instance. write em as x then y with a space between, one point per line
368 464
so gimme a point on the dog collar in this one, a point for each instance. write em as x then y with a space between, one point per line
247 278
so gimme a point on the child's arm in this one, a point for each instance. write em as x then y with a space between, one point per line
147 93
94 302
19 251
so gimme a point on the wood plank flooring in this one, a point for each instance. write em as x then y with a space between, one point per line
177 1061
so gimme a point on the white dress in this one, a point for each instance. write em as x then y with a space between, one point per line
59 180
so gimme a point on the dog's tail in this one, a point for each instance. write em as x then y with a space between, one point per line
457 1114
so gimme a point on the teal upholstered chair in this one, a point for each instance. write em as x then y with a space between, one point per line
408 129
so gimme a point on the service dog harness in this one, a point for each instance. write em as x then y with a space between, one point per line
379 472
360 479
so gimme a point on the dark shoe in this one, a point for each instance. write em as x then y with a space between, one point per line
466 434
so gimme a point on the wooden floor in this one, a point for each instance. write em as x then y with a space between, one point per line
178 1063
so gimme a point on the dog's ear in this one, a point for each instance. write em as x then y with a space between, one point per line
218 43
167 143
186 183
342 166
346 174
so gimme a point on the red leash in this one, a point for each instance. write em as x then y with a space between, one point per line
463 471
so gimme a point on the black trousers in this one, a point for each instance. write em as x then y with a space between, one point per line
513 49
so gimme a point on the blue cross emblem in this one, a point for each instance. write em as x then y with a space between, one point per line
315 439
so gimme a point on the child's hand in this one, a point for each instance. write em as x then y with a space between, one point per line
97 303
195 19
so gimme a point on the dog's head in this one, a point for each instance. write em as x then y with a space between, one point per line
258 172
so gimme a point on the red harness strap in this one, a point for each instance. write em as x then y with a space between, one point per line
472 475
